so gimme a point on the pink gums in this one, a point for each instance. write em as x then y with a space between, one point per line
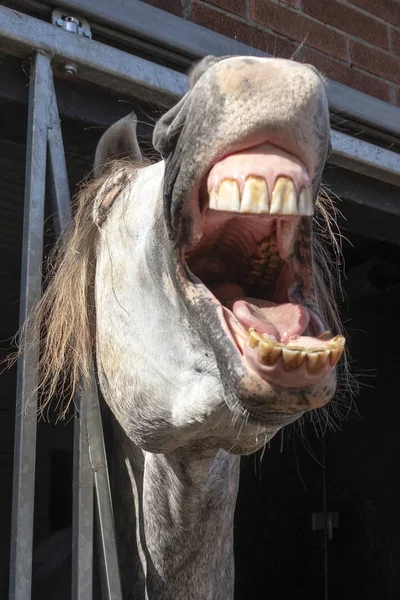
265 161
276 374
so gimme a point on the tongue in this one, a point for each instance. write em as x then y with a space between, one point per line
281 321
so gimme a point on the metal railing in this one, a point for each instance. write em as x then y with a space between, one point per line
91 484
50 47
172 38
128 74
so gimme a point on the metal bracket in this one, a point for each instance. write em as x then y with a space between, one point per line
326 522
75 25
71 23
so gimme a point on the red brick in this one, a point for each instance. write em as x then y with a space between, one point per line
238 30
375 61
298 27
396 41
172 6
340 71
238 7
349 20
388 10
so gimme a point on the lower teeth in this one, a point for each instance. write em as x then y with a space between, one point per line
269 351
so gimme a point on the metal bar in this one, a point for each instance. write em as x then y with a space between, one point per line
82 515
31 284
362 157
58 176
187 39
156 26
111 584
363 108
98 63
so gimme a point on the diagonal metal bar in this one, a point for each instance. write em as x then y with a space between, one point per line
31 284
109 571
58 176
83 482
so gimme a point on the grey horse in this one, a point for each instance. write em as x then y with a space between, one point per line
200 286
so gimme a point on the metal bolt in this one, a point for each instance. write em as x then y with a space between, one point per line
70 69
60 22
86 33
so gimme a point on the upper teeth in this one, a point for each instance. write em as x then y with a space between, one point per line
256 199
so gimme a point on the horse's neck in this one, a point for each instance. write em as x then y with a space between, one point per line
174 521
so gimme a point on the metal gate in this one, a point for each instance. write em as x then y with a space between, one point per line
45 147
45 152
66 44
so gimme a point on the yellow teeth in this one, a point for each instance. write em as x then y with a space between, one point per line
317 359
326 335
255 196
336 346
335 356
293 357
256 199
305 203
266 264
254 338
284 197
229 196
337 340
269 351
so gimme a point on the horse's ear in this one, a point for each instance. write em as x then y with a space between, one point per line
119 141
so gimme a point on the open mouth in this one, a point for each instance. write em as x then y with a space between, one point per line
255 258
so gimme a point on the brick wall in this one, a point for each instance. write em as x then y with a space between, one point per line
356 42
